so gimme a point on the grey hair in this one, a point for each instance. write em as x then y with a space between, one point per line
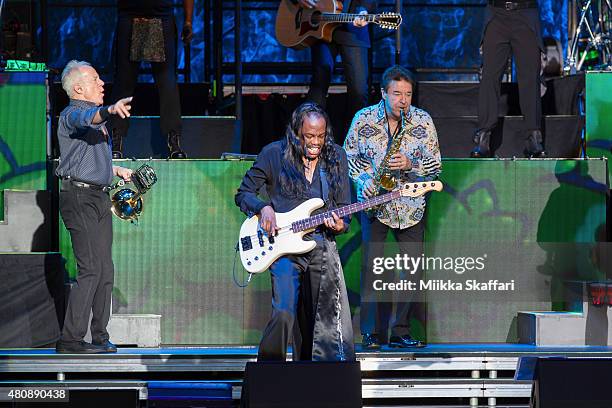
71 75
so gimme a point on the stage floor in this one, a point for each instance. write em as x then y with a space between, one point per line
436 375
234 358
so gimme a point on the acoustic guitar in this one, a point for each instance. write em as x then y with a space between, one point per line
299 28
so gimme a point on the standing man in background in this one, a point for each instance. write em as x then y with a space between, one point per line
146 32
511 28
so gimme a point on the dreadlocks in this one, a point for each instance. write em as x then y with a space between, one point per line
292 179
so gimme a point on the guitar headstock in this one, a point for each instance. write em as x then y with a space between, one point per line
390 21
418 189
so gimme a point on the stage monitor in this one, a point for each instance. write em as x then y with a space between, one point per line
302 385
560 382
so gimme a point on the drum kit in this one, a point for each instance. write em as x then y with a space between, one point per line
590 48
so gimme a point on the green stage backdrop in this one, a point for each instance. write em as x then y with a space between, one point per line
178 261
23 101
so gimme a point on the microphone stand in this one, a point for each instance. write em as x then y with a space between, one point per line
398 34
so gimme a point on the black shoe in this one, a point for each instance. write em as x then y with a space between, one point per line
106 345
370 342
482 140
534 148
404 342
117 155
77 347
174 146
178 155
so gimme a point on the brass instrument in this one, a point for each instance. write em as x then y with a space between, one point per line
126 203
384 177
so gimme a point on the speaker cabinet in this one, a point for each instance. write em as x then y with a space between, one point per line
572 383
302 384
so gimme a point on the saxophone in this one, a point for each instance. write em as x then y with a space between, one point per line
384 177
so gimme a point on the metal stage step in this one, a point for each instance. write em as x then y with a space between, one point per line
445 387
437 375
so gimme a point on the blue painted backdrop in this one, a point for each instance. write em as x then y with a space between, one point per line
435 34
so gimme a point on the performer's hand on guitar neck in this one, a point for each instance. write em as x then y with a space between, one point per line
336 224
267 220
360 21
308 3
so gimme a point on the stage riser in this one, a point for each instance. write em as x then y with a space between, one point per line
457 99
439 375
265 121
202 138
209 137
451 104
562 135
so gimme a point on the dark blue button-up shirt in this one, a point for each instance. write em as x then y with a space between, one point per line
85 148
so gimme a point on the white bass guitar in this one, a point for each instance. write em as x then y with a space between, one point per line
258 250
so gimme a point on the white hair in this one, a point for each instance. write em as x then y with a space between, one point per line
72 74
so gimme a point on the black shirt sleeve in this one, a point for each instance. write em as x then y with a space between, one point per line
259 174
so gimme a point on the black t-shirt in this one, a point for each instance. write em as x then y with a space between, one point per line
145 8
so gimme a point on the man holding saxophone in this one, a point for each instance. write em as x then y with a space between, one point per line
389 144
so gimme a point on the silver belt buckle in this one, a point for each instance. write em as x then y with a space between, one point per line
510 5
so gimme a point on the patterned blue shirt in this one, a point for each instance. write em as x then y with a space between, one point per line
366 147
85 148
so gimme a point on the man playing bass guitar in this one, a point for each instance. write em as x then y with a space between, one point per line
309 298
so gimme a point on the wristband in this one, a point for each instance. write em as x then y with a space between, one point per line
104 112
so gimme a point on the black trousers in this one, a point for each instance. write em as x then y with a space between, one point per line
375 316
295 292
508 33
164 73
355 62
87 216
